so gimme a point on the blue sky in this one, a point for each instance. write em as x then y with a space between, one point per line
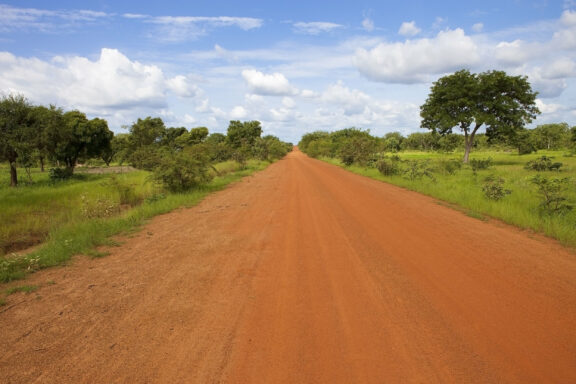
296 66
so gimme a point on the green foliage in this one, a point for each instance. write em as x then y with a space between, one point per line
417 169
552 194
146 132
181 172
448 166
357 150
243 134
60 174
389 166
493 188
501 103
543 163
480 164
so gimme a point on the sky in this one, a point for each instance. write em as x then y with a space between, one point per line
296 66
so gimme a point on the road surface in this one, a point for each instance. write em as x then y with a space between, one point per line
303 273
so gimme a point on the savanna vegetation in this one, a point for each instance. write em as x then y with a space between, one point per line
62 204
526 177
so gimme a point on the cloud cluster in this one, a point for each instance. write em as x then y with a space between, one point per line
275 84
415 60
315 27
15 19
182 28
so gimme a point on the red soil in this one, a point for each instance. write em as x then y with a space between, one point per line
303 273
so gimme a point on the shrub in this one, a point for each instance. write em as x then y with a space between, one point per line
60 174
416 170
543 163
479 164
493 188
551 192
388 166
449 166
181 172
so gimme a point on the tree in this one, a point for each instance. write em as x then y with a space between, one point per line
45 122
77 138
15 131
146 132
502 104
551 136
243 134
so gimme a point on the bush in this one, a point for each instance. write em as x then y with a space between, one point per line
543 163
551 192
493 188
388 166
60 174
416 170
449 166
181 172
479 164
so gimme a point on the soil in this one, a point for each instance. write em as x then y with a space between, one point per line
303 273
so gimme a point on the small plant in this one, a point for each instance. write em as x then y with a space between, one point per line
449 166
60 174
182 173
493 188
551 192
97 209
543 163
479 164
389 166
416 170
126 192
23 288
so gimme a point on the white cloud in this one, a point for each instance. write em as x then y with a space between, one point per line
478 27
560 68
315 27
548 108
182 86
238 113
409 29
368 24
415 60
288 102
13 18
181 28
275 84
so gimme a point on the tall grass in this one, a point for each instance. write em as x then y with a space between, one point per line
58 214
464 189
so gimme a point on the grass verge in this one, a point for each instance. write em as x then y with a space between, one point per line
82 234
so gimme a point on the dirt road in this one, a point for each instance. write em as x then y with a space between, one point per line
303 273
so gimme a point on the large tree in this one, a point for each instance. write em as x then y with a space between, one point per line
243 134
15 132
501 103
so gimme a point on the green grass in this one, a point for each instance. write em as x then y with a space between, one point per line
464 189
56 215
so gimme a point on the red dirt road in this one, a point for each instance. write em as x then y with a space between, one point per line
303 273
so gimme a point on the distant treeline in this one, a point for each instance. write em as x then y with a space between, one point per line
353 145
37 136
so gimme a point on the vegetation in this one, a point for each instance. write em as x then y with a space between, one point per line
497 182
502 104
72 211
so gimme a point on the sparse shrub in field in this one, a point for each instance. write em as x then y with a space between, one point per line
543 163
126 192
449 166
551 192
388 166
479 164
493 188
99 208
155 197
416 170
182 172
60 174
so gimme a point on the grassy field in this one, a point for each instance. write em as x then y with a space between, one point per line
522 207
74 216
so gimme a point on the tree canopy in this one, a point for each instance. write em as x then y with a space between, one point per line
501 103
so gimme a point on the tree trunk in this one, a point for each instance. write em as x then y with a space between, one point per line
13 174
467 151
41 163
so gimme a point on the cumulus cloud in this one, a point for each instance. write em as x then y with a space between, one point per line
409 29
315 27
275 84
111 83
238 113
415 60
